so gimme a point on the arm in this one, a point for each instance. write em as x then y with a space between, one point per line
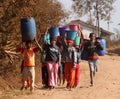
59 60
74 53
59 57
82 37
38 47
47 28
19 48
99 46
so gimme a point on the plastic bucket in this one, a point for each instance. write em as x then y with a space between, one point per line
77 40
47 38
62 31
28 28
74 27
103 43
71 34
54 31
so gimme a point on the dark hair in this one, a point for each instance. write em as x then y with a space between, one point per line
28 42
91 34
53 38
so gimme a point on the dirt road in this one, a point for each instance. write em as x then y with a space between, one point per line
107 84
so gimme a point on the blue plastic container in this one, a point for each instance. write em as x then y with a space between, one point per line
54 31
62 31
103 43
28 29
71 34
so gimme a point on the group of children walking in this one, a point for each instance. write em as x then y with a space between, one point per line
60 59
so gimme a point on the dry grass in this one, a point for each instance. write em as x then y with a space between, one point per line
114 50
14 93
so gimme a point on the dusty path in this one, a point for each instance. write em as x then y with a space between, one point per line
107 84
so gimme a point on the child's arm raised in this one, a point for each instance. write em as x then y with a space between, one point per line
39 47
19 47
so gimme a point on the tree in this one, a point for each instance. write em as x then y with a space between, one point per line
45 12
97 9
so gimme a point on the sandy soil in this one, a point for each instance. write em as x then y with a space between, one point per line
107 84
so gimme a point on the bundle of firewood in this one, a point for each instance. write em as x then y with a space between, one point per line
9 50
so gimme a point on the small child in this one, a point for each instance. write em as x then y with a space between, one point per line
70 64
29 63
44 70
77 71
52 59
61 43
27 82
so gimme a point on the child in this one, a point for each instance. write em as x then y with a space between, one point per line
77 71
27 82
61 43
29 63
70 64
92 46
53 59
44 70
46 41
79 49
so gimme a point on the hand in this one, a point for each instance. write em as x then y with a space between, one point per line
47 29
98 41
78 26
59 63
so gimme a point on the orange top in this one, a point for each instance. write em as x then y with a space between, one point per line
29 56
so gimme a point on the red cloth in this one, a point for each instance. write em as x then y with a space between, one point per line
70 41
22 66
77 74
69 73
36 49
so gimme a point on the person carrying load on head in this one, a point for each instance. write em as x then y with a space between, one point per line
70 64
53 60
78 43
29 63
45 41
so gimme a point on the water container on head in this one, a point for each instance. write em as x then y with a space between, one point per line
62 31
47 38
28 28
77 40
54 31
74 27
71 34
103 43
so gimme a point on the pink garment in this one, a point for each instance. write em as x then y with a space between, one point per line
52 73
